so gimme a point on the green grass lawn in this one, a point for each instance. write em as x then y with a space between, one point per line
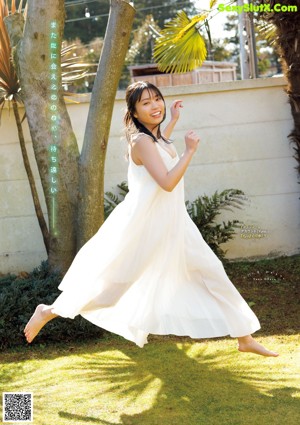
171 381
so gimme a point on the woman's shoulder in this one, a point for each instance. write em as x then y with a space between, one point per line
139 136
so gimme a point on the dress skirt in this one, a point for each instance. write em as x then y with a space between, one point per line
148 270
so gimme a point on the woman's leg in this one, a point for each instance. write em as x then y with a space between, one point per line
248 344
42 315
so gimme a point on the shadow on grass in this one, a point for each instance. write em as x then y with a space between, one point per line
81 418
184 390
180 388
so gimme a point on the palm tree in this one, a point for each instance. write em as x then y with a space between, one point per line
286 37
181 48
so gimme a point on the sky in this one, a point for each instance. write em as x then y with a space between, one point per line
217 23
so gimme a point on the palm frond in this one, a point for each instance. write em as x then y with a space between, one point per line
212 3
180 48
69 77
268 31
9 84
73 68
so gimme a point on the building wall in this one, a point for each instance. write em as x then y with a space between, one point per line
243 127
209 72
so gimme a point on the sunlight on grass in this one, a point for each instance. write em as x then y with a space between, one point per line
170 381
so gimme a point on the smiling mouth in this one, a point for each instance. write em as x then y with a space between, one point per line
156 114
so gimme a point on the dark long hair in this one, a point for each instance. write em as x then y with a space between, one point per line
133 95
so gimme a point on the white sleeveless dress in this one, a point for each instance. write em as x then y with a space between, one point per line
149 271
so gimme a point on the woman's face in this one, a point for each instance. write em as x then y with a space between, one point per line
150 109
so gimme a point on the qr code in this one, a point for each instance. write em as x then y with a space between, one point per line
17 407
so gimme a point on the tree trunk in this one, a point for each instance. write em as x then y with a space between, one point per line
92 160
33 64
35 196
34 70
288 43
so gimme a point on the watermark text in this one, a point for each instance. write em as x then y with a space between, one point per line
265 7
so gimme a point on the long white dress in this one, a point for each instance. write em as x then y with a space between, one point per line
149 271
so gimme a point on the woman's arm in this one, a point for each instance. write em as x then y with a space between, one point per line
175 113
146 152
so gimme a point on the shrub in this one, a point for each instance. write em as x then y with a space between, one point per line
204 210
18 299
111 200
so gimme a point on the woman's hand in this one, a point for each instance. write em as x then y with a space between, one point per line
175 112
174 109
191 141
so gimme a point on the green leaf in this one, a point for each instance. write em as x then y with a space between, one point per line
180 48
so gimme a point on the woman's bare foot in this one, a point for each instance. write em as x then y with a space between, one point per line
247 344
40 317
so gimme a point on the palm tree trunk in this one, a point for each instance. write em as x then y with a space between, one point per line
288 42
35 197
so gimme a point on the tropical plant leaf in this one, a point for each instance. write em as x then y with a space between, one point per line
268 31
180 48
72 66
204 210
123 187
111 200
9 85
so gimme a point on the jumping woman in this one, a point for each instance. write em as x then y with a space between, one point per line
148 270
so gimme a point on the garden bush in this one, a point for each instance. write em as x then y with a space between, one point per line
18 299
204 211
111 200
